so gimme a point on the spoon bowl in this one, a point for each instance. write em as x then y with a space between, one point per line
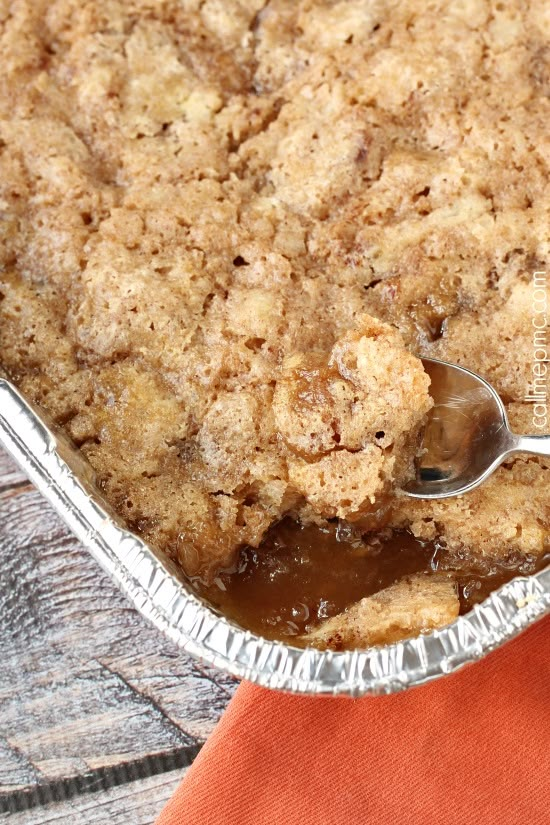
467 435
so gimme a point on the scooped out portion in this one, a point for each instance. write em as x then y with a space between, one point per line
338 586
319 586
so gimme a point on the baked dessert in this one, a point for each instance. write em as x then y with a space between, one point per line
229 229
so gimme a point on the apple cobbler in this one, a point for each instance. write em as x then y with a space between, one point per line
228 230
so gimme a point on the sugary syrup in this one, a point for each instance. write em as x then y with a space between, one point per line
301 575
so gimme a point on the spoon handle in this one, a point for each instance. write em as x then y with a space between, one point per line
535 444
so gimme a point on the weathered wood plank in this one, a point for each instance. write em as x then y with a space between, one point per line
10 474
85 683
135 803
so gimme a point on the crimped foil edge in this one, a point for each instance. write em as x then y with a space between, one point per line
152 584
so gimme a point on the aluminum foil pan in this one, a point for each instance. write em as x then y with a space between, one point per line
153 584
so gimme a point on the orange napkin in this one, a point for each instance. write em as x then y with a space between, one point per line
469 748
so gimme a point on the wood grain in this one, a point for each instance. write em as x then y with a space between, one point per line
87 686
10 474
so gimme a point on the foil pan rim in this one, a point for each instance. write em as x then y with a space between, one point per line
161 597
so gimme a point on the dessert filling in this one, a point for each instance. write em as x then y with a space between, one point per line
305 584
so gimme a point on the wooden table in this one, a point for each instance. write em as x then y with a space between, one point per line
100 714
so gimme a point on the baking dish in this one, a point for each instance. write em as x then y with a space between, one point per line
157 590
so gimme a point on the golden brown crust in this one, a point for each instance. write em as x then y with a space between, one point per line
414 605
193 192
505 518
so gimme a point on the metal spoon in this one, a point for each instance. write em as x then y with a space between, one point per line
467 435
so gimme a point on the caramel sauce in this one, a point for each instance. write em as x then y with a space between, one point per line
302 575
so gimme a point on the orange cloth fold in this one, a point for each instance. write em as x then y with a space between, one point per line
469 748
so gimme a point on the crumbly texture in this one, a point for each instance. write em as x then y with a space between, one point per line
348 420
416 604
227 228
504 520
